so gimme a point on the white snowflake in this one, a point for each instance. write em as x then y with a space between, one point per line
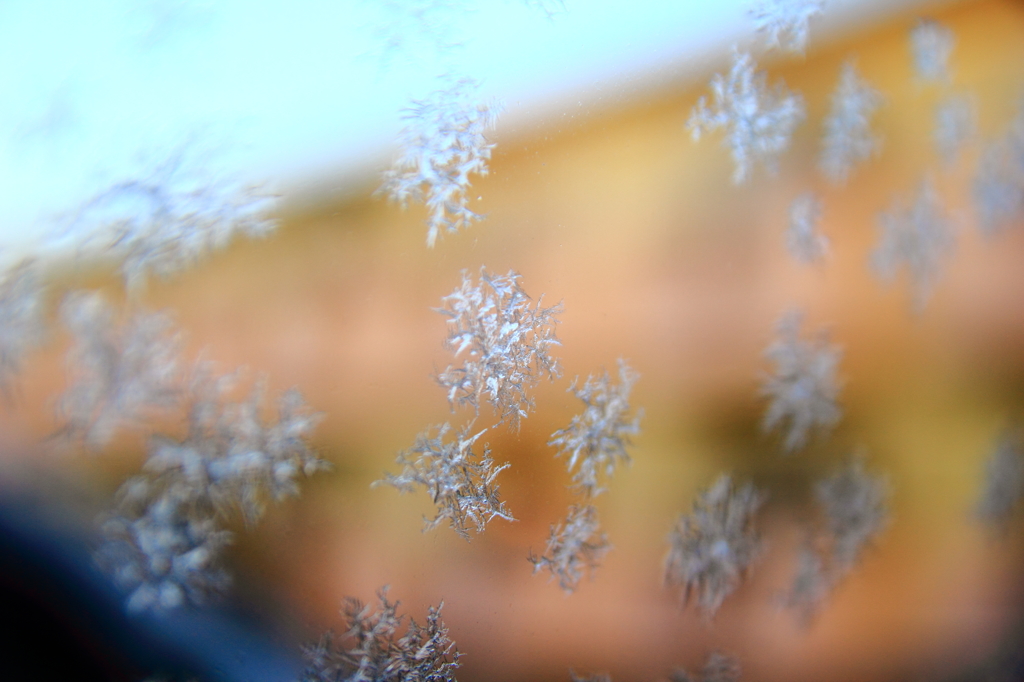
506 342
848 139
804 240
999 182
22 325
785 22
918 238
442 144
758 121
803 389
597 439
856 510
955 125
931 44
166 219
1004 481
575 546
459 481
711 549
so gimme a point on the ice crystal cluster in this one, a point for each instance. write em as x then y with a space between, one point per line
460 482
955 125
505 341
784 23
166 219
596 440
931 44
803 389
121 371
165 539
22 326
758 120
719 667
1004 481
574 547
711 549
854 510
999 181
442 144
848 139
917 238
855 505
373 650
804 240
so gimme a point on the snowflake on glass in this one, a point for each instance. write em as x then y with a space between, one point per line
931 44
848 139
22 325
376 653
955 126
758 121
785 22
1004 481
459 481
442 144
856 511
811 584
711 549
575 546
597 439
122 371
803 389
164 543
804 240
167 218
719 667
506 341
917 238
999 182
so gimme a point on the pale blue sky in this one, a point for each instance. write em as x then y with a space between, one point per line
306 92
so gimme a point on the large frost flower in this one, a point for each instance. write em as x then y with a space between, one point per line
802 390
442 144
505 340
758 120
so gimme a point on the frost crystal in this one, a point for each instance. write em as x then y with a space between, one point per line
803 389
718 668
574 546
1004 481
758 121
442 144
506 342
376 653
597 439
21 319
917 238
784 22
168 219
954 126
460 482
811 584
931 44
855 505
164 543
999 183
848 139
122 370
712 548
804 240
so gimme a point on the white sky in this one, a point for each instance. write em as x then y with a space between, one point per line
306 91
